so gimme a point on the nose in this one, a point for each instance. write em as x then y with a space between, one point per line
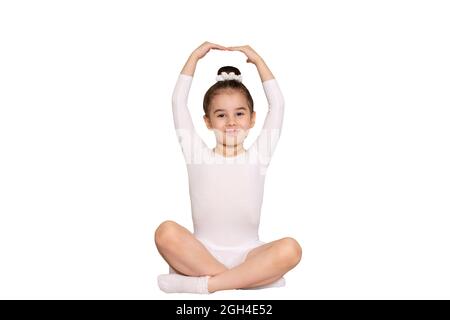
231 121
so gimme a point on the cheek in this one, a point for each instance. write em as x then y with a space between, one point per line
245 122
217 123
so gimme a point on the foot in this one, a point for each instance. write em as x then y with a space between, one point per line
175 283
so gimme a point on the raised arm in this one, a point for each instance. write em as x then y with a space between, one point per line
270 133
184 126
200 52
252 57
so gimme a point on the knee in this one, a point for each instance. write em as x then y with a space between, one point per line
166 233
290 252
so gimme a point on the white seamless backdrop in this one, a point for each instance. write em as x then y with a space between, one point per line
90 163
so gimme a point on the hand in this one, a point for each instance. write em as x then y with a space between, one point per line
252 56
204 48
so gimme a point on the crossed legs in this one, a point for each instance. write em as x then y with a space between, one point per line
188 256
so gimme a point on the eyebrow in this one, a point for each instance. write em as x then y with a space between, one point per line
240 108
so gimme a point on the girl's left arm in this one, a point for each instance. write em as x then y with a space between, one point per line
270 133
252 57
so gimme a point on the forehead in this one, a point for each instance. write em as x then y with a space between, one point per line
229 100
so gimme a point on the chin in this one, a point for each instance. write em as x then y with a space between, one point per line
232 142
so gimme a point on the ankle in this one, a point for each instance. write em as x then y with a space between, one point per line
210 284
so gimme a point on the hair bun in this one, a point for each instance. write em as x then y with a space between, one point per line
229 73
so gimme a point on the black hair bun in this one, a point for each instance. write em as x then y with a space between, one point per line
229 69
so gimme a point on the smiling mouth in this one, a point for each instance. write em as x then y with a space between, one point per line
232 132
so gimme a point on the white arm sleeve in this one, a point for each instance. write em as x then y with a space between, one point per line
187 136
270 133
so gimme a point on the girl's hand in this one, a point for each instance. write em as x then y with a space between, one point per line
204 48
252 56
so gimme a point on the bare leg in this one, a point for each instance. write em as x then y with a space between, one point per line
255 252
263 265
183 252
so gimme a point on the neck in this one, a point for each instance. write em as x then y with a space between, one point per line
229 151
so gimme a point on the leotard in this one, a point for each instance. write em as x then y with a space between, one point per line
226 193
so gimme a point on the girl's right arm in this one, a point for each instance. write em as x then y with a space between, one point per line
200 52
187 136
181 115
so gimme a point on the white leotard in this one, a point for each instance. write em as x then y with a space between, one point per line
227 192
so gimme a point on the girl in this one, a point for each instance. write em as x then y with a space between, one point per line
226 187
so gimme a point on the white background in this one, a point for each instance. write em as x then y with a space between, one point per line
90 163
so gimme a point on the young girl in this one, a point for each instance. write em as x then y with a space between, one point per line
226 187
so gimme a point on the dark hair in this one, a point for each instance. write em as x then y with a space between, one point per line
220 86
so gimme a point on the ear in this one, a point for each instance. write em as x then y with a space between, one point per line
207 122
253 119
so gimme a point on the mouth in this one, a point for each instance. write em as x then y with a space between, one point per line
232 132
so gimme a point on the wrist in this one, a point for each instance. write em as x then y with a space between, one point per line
194 57
259 61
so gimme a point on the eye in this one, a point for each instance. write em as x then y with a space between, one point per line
220 115
240 113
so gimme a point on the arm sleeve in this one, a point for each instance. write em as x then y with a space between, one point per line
270 133
187 136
